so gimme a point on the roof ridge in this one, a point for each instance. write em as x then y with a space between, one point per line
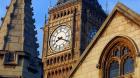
119 7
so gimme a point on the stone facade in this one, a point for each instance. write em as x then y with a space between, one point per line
84 20
121 22
18 47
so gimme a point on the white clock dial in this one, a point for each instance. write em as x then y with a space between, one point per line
60 38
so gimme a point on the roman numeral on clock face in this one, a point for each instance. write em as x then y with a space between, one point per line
60 38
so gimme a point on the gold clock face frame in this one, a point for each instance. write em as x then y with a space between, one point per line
60 38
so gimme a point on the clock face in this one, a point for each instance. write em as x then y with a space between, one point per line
60 38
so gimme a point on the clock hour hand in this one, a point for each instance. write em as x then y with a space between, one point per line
59 38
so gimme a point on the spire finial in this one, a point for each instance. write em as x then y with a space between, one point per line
45 18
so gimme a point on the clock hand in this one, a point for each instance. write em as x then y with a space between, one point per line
59 38
65 40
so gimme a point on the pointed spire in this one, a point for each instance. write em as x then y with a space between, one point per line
45 22
4 23
45 19
19 36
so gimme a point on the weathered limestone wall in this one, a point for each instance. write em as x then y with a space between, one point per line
10 70
119 26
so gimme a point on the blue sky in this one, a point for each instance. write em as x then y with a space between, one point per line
41 8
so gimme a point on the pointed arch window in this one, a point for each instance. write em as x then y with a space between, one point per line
128 65
118 59
114 69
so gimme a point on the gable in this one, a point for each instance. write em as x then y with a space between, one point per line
121 22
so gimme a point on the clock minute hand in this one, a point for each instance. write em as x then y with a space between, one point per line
61 38
65 40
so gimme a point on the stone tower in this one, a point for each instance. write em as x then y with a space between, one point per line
18 47
71 26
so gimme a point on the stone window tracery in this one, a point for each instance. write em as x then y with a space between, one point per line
118 59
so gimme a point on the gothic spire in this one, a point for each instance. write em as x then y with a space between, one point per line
17 32
18 45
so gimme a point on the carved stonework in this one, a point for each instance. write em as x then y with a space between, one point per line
10 58
120 51
18 40
83 23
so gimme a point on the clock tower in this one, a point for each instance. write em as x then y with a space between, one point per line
70 27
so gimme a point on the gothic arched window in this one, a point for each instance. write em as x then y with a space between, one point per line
118 58
114 69
128 65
